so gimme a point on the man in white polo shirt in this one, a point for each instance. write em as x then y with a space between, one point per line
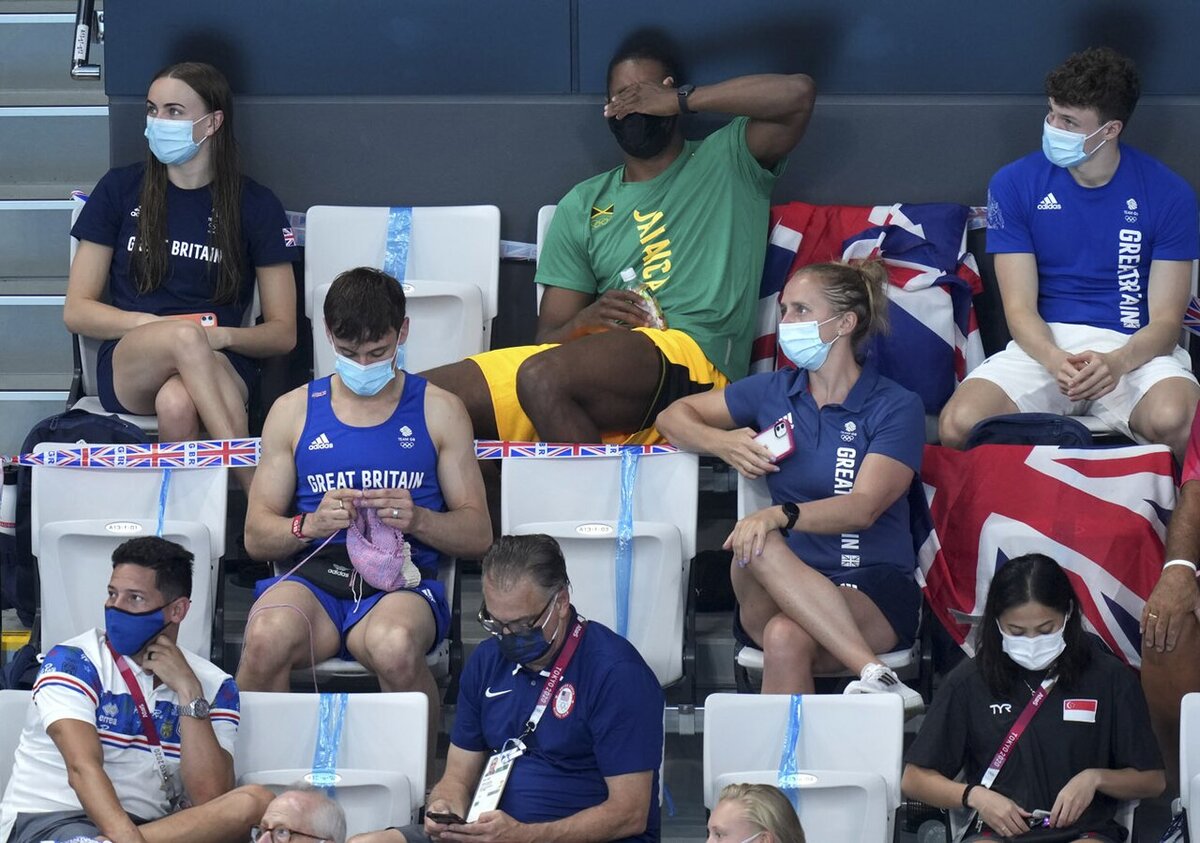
126 729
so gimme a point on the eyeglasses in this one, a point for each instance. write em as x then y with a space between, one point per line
279 834
520 626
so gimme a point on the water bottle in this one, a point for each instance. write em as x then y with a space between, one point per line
629 281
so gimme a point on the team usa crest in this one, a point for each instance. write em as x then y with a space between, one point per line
564 701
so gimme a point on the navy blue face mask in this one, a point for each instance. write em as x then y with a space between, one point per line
129 632
526 647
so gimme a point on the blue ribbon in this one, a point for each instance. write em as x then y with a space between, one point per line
789 768
331 715
162 500
629 463
395 256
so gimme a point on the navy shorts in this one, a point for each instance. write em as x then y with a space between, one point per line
346 612
246 367
895 593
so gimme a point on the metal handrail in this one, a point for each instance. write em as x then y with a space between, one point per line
89 26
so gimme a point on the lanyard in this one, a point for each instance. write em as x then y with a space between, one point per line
148 727
555 677
1018 728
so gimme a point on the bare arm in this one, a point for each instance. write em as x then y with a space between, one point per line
454 792
778 105
1176 597
701 423
465 528
277 333
83 312
268 516
79 745
1016 274
623 814
932 788
567 315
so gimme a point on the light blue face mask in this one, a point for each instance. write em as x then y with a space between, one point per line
1065 149
171 140
802 344
368 379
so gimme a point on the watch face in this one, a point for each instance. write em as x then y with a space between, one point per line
197 708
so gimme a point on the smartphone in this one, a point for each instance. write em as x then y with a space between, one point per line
448 818
205 320
777 439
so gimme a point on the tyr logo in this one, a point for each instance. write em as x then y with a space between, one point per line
1001 708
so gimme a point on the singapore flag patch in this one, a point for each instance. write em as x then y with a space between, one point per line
1079 711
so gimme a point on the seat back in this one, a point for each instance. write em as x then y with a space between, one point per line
752 495
79 516
14 706
577 501
850 747
1189 759
545 214
381 757
451 279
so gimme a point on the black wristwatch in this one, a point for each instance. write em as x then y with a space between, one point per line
683 92
792 512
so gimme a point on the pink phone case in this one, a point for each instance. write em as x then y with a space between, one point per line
777 439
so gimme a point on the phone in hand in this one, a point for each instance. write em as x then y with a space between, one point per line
445 818
777 439
204 320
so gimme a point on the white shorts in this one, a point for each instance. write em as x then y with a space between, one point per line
1034 390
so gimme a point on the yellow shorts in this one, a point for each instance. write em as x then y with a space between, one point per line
685 371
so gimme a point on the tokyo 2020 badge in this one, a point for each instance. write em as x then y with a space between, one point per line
564 701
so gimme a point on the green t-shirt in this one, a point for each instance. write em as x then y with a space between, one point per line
696 234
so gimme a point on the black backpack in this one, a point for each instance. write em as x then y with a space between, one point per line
1030 429
18 568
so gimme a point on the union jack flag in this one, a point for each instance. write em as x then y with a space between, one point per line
1191 316
289 237
1101 513
487 449
934 340
234 453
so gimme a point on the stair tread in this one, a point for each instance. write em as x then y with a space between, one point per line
35 382
86 93
46 190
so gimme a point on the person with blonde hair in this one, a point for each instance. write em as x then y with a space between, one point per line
824 577
757 812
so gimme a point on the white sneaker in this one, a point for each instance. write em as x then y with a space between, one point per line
880 679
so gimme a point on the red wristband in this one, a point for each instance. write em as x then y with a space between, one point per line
298 527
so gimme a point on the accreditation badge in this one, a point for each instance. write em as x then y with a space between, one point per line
494 778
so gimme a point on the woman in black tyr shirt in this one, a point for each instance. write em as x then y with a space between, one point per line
1088 746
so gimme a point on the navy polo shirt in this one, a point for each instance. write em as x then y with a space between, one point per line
878 417
606 719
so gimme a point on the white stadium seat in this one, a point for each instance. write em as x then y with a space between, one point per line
577 502
451 280
849 754
1189 762
380 760
545 214
79 516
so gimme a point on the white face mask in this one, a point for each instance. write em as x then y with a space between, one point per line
1037 652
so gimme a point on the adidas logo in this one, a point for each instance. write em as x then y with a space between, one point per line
1049 203
321 443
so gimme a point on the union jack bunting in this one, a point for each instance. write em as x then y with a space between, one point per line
1191 316
934 340
486 449
1101 513
235 453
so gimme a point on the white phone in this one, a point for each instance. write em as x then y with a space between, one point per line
777 439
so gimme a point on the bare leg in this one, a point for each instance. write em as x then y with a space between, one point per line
973 401
602 383
1166 678
466 380
277 637
226 819
390 835
777 581
791 657
1164 414
391 641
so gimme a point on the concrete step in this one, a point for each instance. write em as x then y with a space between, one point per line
20 410
35 56
35 245
36 344
50 150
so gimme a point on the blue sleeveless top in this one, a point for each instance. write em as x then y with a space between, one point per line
397 454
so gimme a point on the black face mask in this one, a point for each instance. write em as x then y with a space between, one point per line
642 135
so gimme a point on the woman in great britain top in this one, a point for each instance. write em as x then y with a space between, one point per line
824 577
169 254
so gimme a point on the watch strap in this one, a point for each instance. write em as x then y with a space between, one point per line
792 512
298 526
682 93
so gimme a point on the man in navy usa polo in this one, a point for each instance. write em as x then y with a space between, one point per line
571 701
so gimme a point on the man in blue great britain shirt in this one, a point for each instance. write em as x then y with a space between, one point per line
574 700
1094 242
371 448
125 727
